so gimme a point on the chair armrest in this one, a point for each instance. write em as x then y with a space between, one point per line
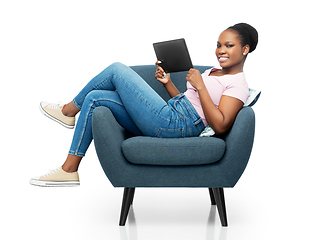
239 142
108 136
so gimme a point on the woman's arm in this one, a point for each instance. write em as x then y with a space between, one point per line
222 118
167 83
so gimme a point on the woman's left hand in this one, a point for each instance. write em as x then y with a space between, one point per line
195 79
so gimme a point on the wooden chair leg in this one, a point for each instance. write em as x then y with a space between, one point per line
220 202
128 196
211 195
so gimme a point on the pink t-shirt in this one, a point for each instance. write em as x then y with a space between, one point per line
229 85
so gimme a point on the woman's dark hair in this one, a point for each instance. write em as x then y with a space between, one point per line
247 33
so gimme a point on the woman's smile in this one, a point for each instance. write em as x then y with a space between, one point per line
223 59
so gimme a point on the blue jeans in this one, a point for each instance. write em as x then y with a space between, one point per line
136 107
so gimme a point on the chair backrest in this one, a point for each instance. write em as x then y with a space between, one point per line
147 72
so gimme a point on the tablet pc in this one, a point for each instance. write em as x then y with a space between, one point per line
174 55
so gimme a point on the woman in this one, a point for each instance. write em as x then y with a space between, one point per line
213 98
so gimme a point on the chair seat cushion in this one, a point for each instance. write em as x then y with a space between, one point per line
173 151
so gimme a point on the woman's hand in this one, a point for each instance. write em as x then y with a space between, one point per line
195 79
166 80
159 74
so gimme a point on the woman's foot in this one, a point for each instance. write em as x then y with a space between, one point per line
54 112
56 178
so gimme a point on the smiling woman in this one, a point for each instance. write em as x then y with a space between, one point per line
230 52
233 46
218 102
213 98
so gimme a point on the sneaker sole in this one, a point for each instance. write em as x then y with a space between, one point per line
54 184
55 119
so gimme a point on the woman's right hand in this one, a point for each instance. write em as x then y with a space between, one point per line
159 74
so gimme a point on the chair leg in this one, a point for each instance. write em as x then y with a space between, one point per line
211 195
128 196
132 197
220 202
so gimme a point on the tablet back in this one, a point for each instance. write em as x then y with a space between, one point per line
174 55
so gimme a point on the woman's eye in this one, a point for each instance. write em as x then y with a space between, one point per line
229 46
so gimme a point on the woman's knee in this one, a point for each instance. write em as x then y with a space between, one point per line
91 98
93 95
116 66
96 96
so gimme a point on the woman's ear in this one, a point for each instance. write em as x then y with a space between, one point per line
246 49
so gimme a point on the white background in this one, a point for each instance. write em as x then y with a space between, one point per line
50 49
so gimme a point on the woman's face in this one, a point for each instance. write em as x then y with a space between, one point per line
230 52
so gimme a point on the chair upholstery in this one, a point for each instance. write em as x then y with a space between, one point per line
216 163
187 151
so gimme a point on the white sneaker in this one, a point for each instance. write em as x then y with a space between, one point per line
56 178
54 112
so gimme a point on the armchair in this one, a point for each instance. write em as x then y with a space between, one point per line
139 161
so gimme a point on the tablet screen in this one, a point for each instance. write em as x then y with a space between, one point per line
174 55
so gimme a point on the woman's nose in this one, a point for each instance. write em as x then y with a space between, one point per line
222 50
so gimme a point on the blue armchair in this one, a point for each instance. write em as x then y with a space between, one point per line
138 161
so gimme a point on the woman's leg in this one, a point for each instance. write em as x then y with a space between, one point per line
145 107
148 111
135 105
88 99
71 163
82 137
140 100
143 102
97 83
70 109
67 175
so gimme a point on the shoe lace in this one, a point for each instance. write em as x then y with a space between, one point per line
55 105
51 172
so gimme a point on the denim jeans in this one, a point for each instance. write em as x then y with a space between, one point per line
136 107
